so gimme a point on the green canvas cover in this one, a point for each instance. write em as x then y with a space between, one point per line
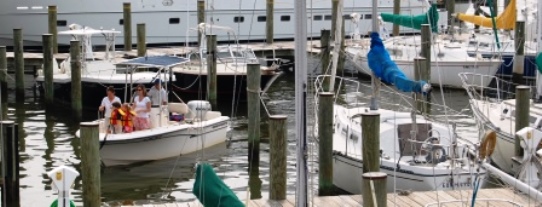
539 62
211 191
431 18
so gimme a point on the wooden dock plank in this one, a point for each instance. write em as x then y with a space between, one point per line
439 196
349 201
330 201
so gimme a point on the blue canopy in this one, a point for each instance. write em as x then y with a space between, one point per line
384 68
156 61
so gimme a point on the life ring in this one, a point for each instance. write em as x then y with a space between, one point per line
55 203
489 141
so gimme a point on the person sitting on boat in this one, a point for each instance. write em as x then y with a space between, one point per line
142 107
106 104
115 119
127 118
157 93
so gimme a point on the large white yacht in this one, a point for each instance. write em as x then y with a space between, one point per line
168 21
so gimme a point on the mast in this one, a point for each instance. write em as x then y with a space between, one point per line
375 82
539 50
300 38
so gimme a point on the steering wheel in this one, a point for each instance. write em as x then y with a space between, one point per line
436 153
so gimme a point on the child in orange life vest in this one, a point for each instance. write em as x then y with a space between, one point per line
116 118
127 118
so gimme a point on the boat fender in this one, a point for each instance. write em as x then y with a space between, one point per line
487 146
55 203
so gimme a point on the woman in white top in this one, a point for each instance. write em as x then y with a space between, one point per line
106 104
142 107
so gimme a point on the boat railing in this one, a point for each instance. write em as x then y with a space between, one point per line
479 202
497 90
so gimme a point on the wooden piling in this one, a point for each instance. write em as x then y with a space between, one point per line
422 73
10 164
334 16
325 145
90 164
374 189
277 157
253 102
127 23
370 136
519 58
342 57
211 70
523 107
325 38
450 7
19 64
75 61
201 17
396 10
426 45
269 20
53 29
141 43
3 77
48 50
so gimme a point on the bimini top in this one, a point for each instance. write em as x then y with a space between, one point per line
162 61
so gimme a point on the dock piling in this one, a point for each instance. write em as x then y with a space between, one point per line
523 107
450 7
141 43
396 11
48 50
325 145
426 46
19 64
53 29
3 79
278 148
422 73
75 61
519 59
127 23
10 164
374 189
370 136
325 38
211 70
334 15
253 102
90 164
201 17
269 20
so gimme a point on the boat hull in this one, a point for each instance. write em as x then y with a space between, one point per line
506 68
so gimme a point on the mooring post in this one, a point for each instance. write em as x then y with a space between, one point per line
523 107
334 15
421 73
450 7
342 58
519 58
253 99
211 70
426 45
75 60
141 43
370 136
374 189
10 164
53 29
201 18
90 164
396 11
325 145
127 23
269 20
325 37
3 78
19 64
277 157
48 87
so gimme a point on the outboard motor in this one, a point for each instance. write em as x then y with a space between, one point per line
198 109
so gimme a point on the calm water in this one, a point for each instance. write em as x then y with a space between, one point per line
48 141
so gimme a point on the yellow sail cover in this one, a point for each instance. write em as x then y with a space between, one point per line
506 20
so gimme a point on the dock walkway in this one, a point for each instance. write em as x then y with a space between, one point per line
495 197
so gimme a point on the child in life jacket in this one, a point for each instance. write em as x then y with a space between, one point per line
116 118
127 116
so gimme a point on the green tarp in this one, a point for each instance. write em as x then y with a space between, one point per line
539 62
431 18
211 191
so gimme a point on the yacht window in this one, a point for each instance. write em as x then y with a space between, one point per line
347 16
121 21
484 44
174 20
238 19
328 17
504 111
285 18
532 119
473 43
368 16
317 18
262 18
61 23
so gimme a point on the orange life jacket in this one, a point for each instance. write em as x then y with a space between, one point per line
115 115
127 118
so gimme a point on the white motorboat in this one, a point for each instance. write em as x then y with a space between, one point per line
167 21
97 73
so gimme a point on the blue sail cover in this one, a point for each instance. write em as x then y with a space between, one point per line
384 68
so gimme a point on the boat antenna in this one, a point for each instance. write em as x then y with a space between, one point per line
300 53
375 81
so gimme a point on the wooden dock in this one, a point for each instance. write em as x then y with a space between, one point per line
495 197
